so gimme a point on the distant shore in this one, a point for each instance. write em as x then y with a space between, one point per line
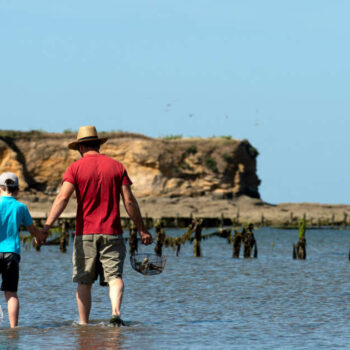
240 210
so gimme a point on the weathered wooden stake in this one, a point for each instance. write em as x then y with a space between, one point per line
160 237
197 237
249 241
178 247
237 239
132 239
299 250
221 220
63 239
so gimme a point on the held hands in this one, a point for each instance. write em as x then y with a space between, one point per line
39 235
146 237
46 230
39 238
42 235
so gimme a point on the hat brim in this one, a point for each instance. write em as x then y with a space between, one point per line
75 144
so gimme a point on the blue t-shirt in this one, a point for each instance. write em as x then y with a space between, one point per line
12 215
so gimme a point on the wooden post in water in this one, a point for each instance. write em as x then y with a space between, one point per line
160 237
132 238
237 239
178 246
63 237
222 218
197 237
249 242
176 224
299 250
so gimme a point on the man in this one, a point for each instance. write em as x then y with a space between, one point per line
98 181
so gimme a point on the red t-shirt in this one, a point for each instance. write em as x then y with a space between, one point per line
97 180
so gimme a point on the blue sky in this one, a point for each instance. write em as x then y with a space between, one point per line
274 72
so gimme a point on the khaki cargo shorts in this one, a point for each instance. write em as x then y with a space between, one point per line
93 251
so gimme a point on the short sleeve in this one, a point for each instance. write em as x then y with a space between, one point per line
125 179
69 176
26 219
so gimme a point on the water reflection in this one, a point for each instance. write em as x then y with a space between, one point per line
96 337
9 339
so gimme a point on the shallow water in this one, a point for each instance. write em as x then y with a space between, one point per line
197 303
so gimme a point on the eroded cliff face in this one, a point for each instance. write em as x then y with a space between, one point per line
220 167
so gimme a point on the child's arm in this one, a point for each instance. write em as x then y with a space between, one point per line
39 236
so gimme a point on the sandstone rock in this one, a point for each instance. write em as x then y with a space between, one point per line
158 167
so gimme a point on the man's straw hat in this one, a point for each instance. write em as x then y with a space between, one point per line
86 133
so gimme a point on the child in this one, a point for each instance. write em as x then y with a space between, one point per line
12 215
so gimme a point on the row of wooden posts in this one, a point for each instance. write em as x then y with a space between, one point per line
244 238
193 235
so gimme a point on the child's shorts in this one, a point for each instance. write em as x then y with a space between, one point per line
9 268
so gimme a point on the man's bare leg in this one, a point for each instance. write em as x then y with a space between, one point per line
116 288
12 307
84 302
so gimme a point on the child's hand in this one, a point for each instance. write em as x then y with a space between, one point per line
39 235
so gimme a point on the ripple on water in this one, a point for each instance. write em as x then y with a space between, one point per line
197 303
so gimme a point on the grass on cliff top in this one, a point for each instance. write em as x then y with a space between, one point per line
69 133
41 134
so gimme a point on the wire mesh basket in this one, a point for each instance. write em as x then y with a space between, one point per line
147 264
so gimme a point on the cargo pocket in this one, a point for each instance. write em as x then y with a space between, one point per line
84 259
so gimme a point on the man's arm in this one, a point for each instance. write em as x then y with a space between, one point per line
59 204
133 210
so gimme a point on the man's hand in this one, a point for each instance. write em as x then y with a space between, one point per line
45 230
146 237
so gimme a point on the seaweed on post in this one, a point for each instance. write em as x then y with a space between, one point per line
299 250
237 239
249 241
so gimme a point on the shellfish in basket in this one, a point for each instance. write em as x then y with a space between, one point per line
147 264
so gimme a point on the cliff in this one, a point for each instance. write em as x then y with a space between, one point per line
171 167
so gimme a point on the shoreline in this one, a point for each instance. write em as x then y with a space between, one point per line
238 211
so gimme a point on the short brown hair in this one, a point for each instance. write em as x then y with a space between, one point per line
95 144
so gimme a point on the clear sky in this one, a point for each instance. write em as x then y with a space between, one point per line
274 72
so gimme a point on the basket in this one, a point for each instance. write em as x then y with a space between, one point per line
147 264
